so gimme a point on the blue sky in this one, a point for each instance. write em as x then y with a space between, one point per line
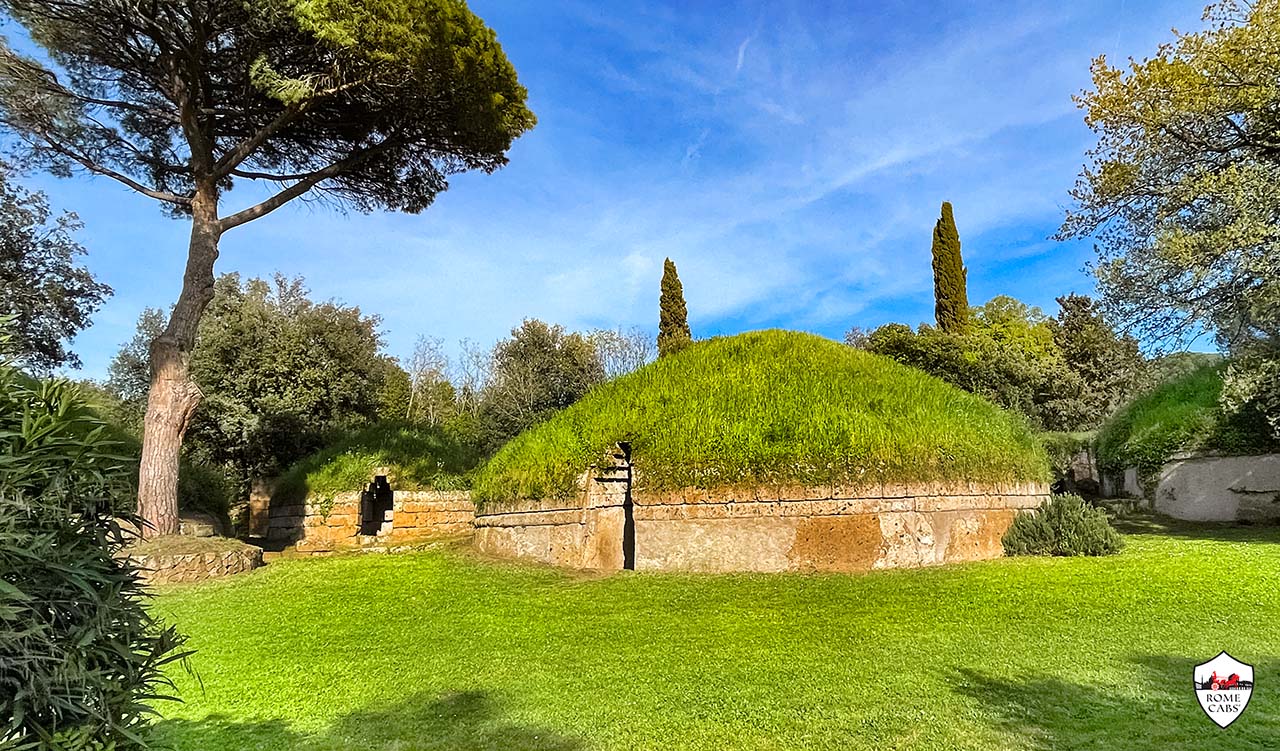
790 157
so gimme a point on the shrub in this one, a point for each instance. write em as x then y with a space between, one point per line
1063 525
203 487
1063 447
81 659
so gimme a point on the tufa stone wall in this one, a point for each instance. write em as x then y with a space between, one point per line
827 528
797 528
585 532
1220 488
320 525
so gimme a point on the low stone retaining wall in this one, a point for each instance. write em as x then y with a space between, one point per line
584 533
416 516
764 529
1220 488
194 567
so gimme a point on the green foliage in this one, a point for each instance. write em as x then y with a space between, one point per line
1063 446
202 487
540 370
1011 367
1108 368
950 277
81 658
769 407
673 317
1063 525
1181 193
281 374
1064 374
1251 383
47 297
286 86
417 457
1018 653
1183 414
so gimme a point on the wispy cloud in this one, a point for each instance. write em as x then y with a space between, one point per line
742 54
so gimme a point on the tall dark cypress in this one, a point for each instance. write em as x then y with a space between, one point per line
673 318
950 295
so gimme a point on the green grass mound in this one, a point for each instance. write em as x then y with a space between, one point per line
770 407
417 457
1182 414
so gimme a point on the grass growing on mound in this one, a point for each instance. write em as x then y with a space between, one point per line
417 458
1183 414
770 407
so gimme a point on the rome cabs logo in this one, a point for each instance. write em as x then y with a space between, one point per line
1223 687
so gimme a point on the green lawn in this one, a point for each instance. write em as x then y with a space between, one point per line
439 650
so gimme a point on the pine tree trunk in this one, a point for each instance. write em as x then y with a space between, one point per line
173 397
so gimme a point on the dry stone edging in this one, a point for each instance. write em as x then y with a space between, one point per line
176 568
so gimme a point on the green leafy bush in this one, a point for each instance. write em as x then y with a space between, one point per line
81 659
1062 447
1063 525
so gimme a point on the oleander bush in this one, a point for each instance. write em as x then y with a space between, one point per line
81 658
1063 525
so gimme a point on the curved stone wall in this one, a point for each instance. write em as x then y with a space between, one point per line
762 529
175 568
1220 488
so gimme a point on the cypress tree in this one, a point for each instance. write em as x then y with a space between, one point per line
951 298
673 318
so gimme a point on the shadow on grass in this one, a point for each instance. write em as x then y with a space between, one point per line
468 720
1154 709
1152 524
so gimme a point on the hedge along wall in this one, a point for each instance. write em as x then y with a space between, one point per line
322 524
613 523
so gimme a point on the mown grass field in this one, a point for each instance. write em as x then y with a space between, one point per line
765 407
440 650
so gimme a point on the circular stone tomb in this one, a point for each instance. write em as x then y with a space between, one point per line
766 451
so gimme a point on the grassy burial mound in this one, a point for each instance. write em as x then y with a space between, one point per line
319 504
415 457
770 407
1182 414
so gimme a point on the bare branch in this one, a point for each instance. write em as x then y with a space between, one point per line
98 169
293 191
